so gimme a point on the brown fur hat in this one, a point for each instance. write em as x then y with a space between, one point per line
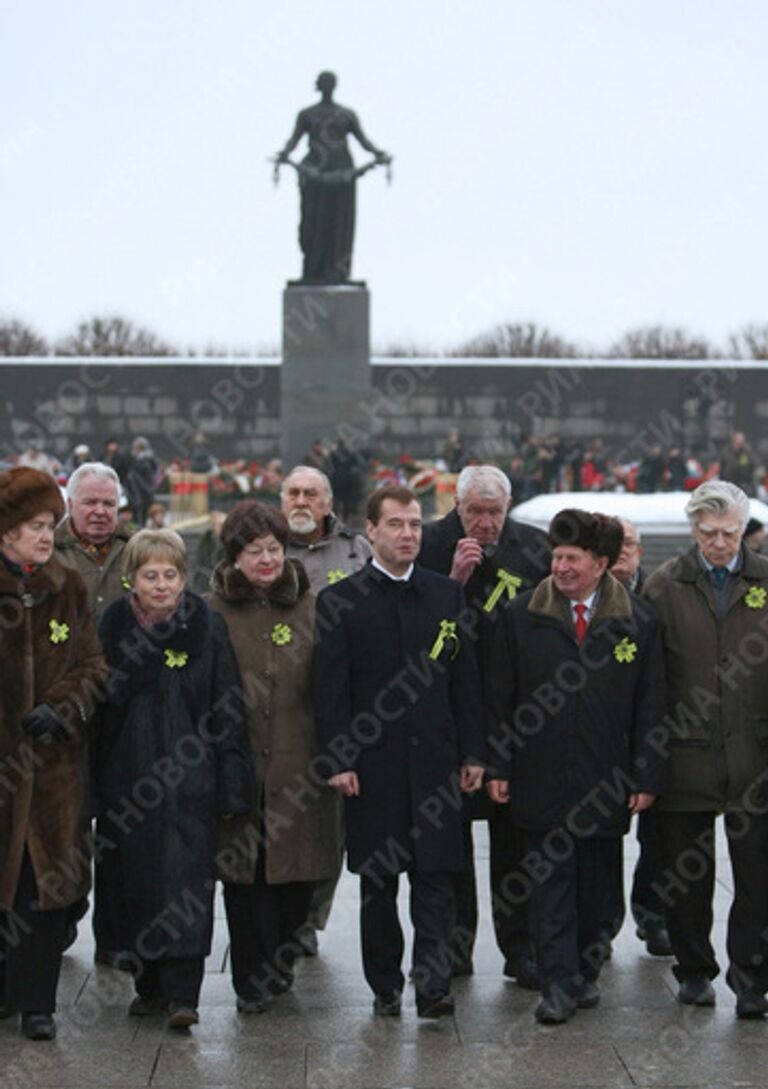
25 493
597 533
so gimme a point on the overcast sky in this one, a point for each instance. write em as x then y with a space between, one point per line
591 165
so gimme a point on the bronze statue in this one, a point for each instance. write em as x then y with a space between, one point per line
327 179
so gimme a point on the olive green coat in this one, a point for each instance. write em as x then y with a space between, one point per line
297 817
103 581
717 685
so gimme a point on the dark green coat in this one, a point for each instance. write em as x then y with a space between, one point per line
717 684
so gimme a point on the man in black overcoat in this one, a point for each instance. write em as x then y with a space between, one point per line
479 545
397 712
577 680
645 901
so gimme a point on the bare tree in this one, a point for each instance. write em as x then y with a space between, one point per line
751 342
16 338
112 336
405 350
660 342
523 340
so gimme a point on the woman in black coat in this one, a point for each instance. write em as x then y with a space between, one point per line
172 758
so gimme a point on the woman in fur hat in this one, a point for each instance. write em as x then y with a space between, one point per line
270 860
52 670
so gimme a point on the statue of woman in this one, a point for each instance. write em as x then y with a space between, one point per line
327 178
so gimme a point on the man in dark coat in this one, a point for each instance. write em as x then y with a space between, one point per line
577 706
328 551
90 541
645 901
713 607
396 699
479 545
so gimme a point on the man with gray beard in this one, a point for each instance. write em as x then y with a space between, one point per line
329 552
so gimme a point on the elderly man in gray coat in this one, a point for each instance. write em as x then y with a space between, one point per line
713 606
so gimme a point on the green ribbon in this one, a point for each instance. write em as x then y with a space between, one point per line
447 632
508 582
176 659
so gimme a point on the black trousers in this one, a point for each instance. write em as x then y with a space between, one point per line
687 887
432 915
176 979
31 945
645 902
263 922
567 897
509 913
109 911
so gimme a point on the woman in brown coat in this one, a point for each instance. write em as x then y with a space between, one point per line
52 670
270 860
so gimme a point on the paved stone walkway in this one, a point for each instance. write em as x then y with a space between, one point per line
322 1035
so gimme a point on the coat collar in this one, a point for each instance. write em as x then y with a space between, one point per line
48 579
613 603
689 569
378 578
187 630
66 539
232 586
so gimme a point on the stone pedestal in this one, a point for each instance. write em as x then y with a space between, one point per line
325 377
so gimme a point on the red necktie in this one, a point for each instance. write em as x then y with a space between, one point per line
581 621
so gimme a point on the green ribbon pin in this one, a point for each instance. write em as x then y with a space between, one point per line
625 651
446 634
755 597
176 659
507 581
59 632
281 635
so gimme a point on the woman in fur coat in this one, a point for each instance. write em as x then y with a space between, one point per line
52 669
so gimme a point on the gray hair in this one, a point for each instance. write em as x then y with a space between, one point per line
98 470
311 469
717 497
628 522
486 481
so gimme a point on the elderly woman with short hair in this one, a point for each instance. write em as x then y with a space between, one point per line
270 860
172 758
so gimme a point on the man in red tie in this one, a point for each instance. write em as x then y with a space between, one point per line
578 743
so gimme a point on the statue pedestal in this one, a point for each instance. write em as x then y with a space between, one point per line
325 377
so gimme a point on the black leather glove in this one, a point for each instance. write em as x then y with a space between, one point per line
43 724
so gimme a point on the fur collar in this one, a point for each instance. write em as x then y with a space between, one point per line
232 586
613 603
48 579
187 629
